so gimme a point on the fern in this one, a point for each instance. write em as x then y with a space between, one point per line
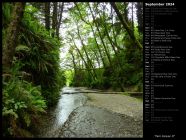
20 98
36 56
9 112
27 119
22 48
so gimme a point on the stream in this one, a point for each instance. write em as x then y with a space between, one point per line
74 117
66 104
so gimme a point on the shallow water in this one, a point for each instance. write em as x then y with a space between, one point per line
66 104
73 118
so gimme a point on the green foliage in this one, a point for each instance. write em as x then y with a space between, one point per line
99 82
20 100
6 12
69 77
81 78
40 54
130 71
34 81
125 69
22 48
61 79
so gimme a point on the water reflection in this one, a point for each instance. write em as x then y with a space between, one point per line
66 104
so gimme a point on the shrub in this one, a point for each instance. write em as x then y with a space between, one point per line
22 102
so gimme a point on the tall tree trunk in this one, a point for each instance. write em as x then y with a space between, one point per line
84 48
113 32
12 34
97 45
125 25
106 31
54 18
133 17
126 12
47 15
97 57
113 45
73 60
60 18
105 48
139 11
86 65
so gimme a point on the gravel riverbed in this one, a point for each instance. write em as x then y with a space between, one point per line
100 115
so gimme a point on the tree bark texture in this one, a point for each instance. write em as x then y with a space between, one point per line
125 25
12 34
47 15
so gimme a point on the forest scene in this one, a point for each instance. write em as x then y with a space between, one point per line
72 69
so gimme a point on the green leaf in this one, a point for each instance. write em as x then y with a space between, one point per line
27 119
9 112
22 48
